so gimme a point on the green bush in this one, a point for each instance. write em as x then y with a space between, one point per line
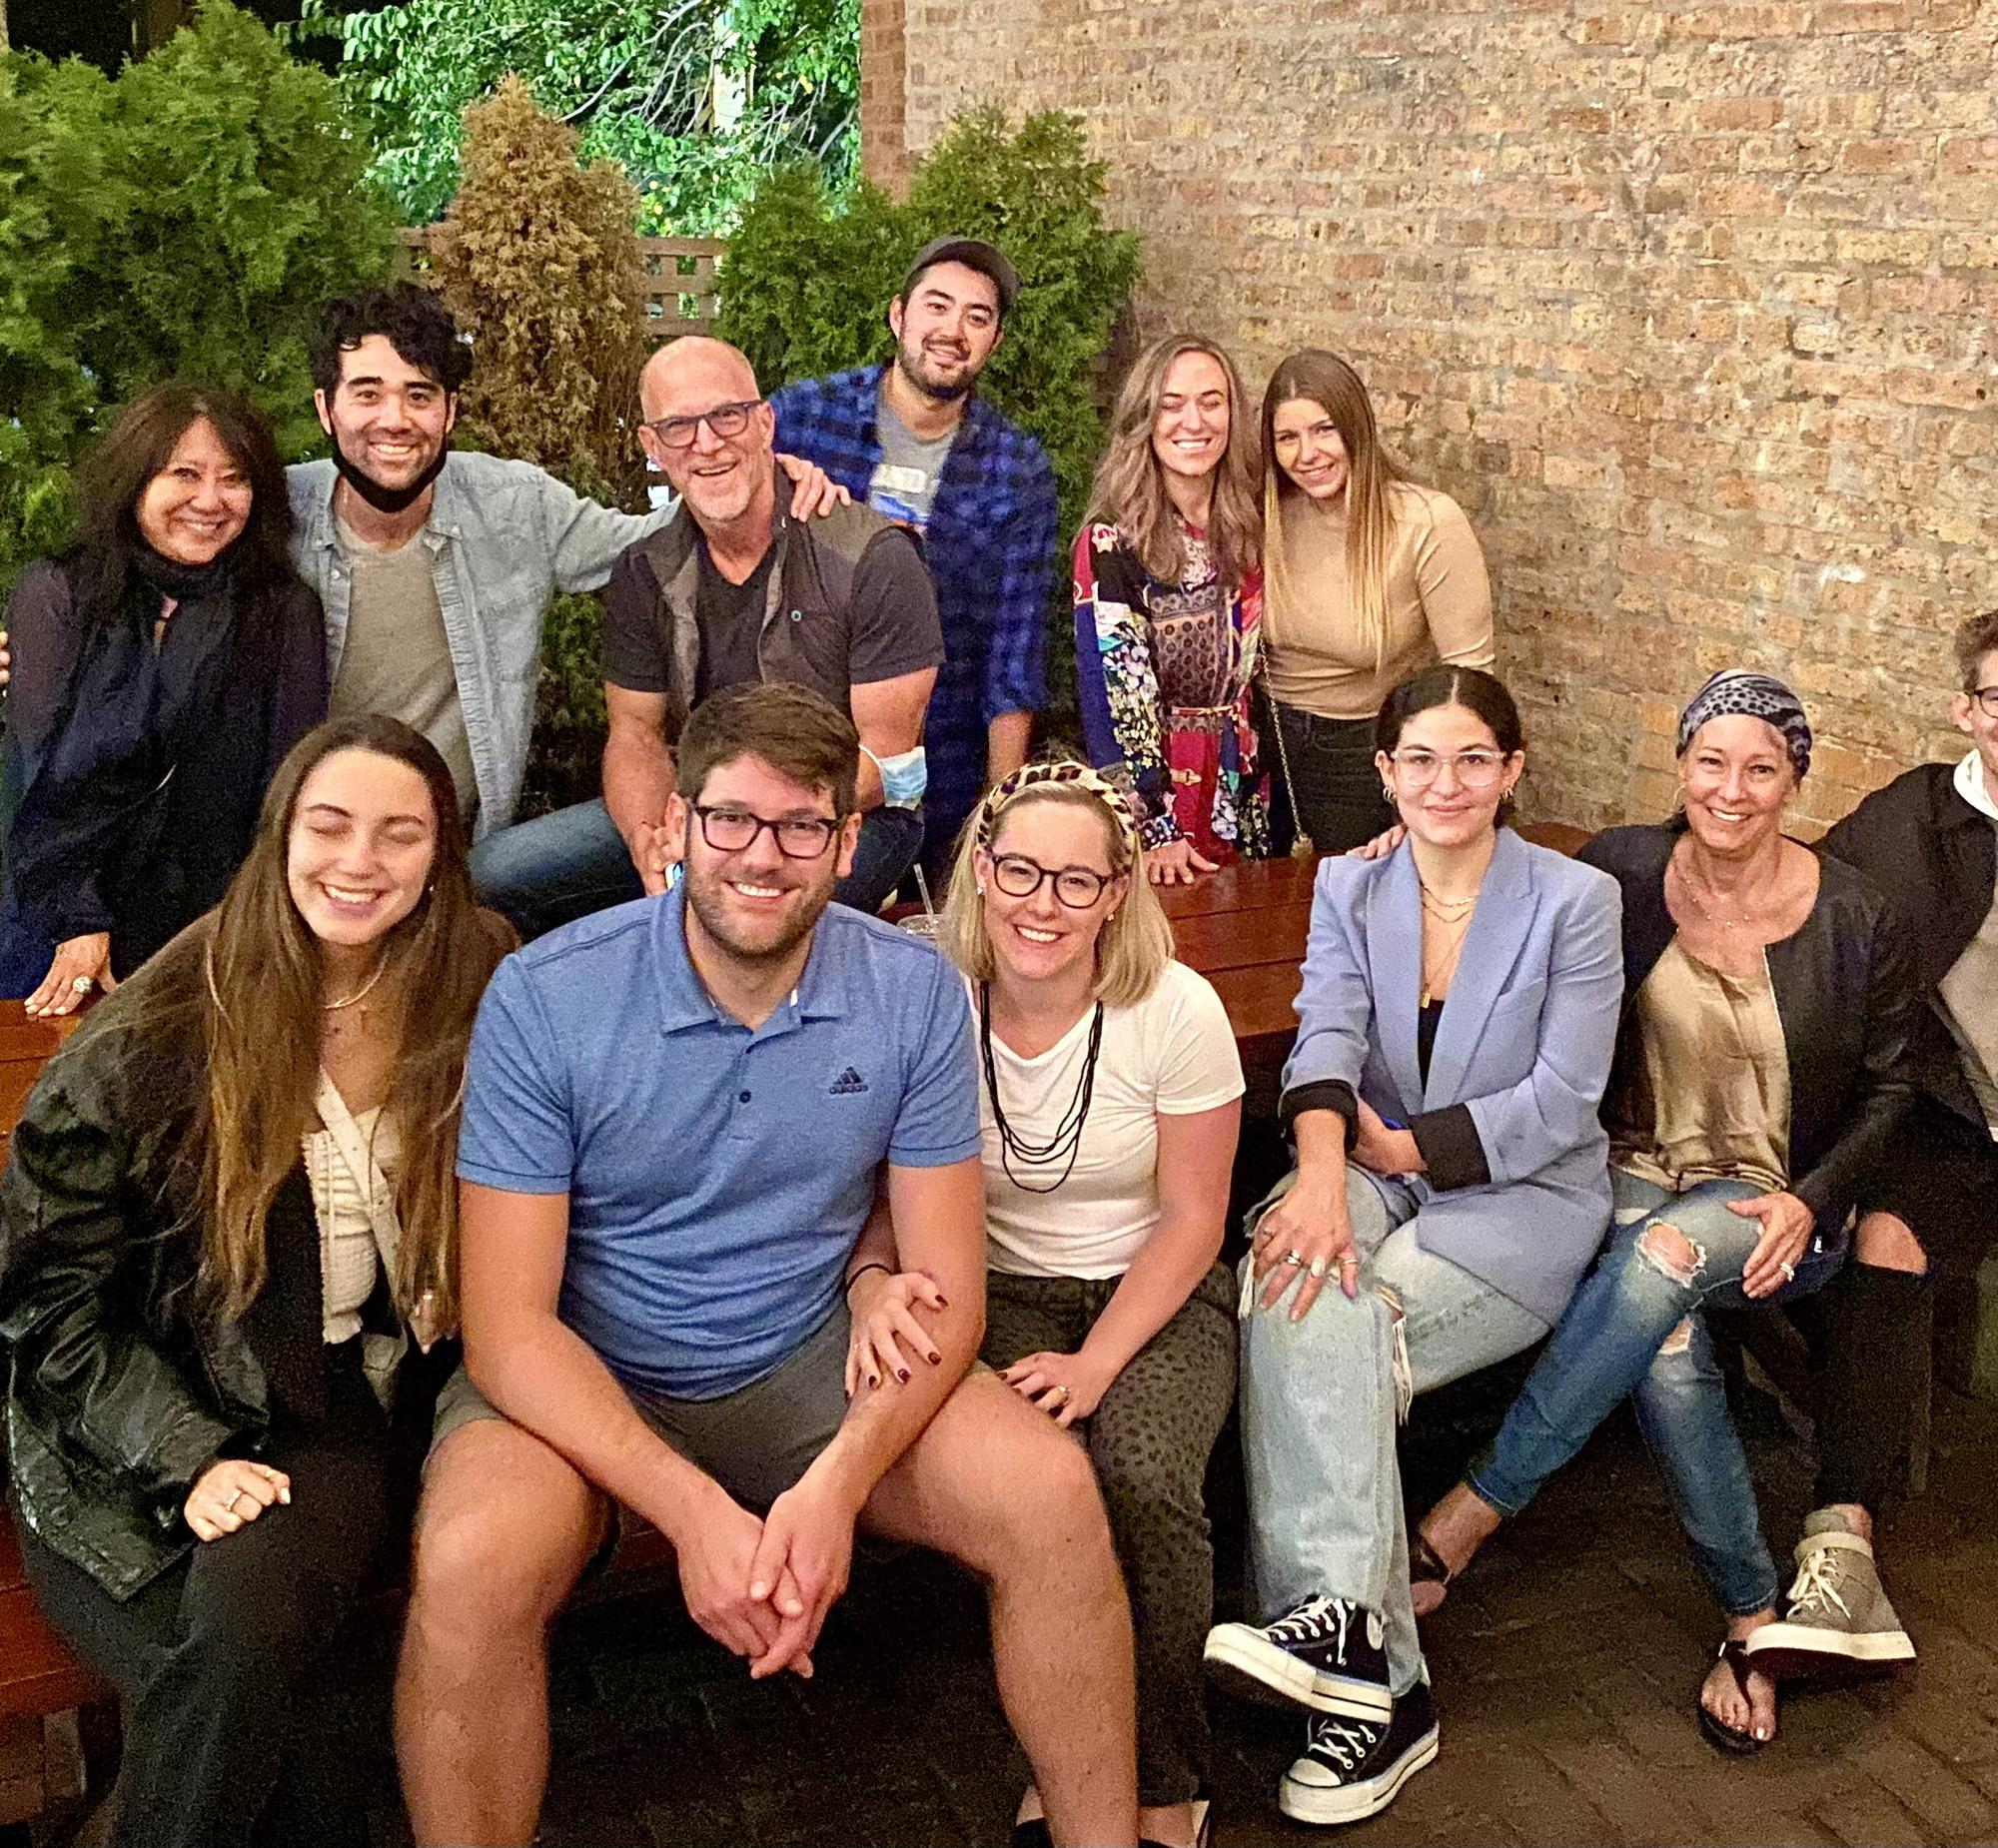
187 218
807 279
539 263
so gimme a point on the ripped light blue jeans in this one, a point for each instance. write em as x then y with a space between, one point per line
1319 1411
1621 1335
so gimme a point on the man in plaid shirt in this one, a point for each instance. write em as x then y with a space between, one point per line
918 447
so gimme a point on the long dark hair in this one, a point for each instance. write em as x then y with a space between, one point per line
262 1015
136 447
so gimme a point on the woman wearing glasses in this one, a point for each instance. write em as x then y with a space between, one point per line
1110 1101
1759 1081
1368 578
1455 1025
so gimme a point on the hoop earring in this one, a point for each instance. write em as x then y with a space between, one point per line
1386 795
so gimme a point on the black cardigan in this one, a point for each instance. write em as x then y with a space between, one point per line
1846 992
1936 858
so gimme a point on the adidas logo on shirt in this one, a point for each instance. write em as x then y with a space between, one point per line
847 1084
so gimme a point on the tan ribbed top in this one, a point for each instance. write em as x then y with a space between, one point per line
1439 605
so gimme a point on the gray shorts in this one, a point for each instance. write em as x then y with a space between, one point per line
755 1441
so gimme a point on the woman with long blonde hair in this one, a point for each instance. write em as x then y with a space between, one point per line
1109 1102
1167 601
228 1232
1370 577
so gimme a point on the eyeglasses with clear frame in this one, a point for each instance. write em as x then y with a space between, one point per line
1474 769
1077 888
735 830
725 420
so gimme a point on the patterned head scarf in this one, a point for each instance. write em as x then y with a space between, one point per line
1065 773
1756 695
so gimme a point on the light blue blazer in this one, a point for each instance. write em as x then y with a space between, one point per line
1521 1050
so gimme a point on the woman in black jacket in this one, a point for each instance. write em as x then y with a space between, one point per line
1759 1077
229 1214
165 665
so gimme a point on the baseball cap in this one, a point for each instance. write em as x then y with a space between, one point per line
974 254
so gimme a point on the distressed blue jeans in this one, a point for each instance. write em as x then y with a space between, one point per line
1634 1327
1319 1411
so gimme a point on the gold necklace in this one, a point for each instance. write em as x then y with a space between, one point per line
1447 910
361 993
1702 906
1447 966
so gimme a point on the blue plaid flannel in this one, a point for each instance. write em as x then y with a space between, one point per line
991 549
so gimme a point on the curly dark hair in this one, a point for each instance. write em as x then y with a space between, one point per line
412 319
137 447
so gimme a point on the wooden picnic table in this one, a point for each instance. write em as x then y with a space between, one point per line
1245 927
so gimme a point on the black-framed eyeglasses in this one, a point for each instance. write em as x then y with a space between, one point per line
725 420
1987 698
1077 888
735 830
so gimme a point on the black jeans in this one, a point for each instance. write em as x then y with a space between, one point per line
1332 781
220 1662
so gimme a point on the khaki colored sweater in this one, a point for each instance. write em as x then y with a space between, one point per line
1438 606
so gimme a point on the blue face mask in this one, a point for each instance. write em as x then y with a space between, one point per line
904 778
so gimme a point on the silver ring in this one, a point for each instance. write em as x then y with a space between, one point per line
1294 1258
1788 1269
229 1507
1318 1267
1066 1394
84 984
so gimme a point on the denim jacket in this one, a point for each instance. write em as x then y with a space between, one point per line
504 538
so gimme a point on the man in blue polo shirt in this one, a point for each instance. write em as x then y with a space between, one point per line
676 1118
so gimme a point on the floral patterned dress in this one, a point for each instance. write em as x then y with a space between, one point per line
1164 671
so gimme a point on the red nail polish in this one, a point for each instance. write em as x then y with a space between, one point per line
902 1374
936 1360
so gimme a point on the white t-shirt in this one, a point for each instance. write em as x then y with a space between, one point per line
1172 1053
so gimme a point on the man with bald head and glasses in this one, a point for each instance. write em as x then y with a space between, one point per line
736 588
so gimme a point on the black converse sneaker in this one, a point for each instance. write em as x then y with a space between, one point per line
1326 1654
1354 1767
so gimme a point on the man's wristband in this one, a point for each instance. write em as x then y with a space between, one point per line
860 1270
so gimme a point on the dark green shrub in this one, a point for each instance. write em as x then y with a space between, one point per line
539 261
807 279
187 218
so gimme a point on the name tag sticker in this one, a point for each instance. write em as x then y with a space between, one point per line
898 481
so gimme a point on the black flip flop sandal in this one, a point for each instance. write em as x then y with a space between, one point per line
1735 1654
1426 1564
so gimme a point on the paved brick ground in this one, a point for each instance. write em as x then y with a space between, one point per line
1564 1669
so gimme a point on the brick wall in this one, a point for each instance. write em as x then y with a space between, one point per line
1693 308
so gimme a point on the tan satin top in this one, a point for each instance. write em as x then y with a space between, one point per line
1710 1096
